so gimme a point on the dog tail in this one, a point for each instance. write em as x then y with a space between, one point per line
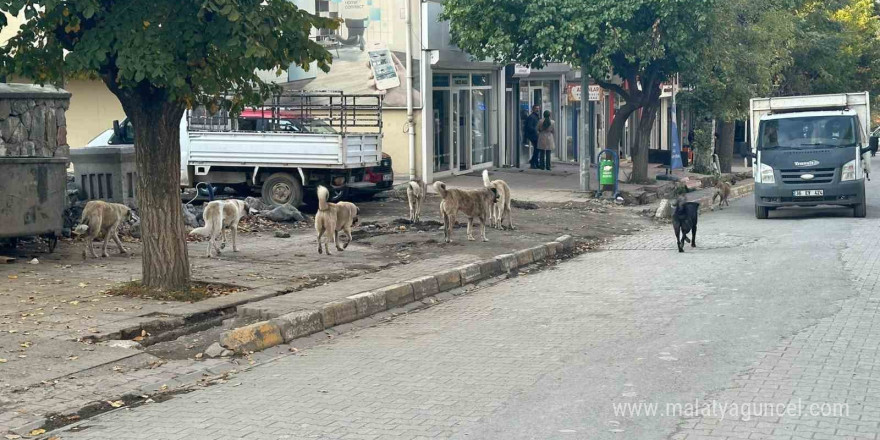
81 229
440 187
486 181
323 197
416 188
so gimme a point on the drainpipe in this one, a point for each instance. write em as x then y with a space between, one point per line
410 122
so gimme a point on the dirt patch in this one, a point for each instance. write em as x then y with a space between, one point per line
198 291
518 204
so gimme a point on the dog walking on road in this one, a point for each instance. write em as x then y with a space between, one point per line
501 209
684 221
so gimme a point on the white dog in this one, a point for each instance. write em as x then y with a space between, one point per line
416 191
102 218
501 208
219 216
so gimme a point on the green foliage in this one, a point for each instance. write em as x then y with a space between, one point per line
188 51
703 147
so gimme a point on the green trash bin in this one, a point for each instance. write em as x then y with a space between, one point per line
606 176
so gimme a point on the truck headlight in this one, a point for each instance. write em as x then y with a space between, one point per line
848 172
766 174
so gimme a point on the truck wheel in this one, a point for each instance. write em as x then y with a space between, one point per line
281 189
761 212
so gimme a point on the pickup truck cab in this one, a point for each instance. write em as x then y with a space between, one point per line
810 151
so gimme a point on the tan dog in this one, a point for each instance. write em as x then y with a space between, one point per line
102 218
332 218
722 192
501 209
416 191
221 215
474 203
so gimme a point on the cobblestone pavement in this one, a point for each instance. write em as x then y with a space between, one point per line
775 311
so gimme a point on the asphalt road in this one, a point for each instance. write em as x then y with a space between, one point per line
763 314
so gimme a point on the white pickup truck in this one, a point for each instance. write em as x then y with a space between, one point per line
282 150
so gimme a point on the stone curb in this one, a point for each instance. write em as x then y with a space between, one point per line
285 328
664 211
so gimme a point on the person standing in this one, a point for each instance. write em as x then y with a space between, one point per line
546 140
531 133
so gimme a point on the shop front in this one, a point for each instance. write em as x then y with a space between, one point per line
464 130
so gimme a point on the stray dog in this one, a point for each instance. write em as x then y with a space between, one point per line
221 215
722 192
416 191
474 203
866 165
102 218
332 218
501 209
684 221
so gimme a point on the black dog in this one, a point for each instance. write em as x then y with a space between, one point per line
684 221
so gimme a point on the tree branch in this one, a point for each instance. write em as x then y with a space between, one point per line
616 88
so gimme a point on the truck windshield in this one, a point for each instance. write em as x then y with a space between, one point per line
809 132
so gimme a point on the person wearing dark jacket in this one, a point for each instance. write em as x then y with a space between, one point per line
531 133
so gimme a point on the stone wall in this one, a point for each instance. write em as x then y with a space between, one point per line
32 121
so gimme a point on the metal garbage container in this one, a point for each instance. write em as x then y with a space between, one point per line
32 197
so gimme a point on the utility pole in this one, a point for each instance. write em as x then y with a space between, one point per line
410 122
585 152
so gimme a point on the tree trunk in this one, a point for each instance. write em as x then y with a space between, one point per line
725 145
643 142
615 132
157 152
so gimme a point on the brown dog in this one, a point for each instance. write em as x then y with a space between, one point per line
474 203
102 218
332 218
722 192
219 216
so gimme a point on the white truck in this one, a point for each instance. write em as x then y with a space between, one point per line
282 150
810 151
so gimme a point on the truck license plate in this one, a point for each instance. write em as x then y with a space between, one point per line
386 177
809 193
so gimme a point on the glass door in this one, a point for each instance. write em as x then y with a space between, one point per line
443 151
463 121
481 148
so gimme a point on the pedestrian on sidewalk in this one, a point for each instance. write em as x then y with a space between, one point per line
546 140
531 133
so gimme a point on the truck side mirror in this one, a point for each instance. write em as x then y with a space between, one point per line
116 130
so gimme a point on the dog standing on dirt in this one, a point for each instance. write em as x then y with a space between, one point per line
221 215
501 208
102 218
416 191
684 221
332 218
474 203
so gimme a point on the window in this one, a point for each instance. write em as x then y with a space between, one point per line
806 132
461 80
481 79
441 80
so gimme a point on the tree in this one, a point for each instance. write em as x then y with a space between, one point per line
643 42
747 49
159 58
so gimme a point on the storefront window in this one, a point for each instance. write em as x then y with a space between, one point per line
461 80
441 80
481 79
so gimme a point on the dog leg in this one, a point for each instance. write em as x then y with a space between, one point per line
412 208
223 242
694 236
470 229
336 242
119 242
107 236
234 236
350 237
678 240
320 234
483 229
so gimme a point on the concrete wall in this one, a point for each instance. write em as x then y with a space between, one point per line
396 142
32 121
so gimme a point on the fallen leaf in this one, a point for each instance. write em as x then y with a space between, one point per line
116 403
73 303
12 436
37 432
13 277
164 387
73 358
3 361
117 368
82 284
25 344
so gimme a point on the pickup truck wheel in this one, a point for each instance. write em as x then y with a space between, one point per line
281 189
761 212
